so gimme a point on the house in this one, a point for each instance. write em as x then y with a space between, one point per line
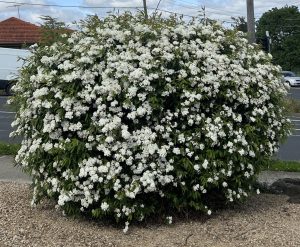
16 33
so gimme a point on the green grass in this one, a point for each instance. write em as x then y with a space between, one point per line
286 166
293 105
6 107
9 149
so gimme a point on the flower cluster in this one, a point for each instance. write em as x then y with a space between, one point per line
127 117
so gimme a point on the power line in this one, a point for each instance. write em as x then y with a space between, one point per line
217 13
92 7
191 3
176 13
18 6
222 10
298 2
197 7
185 6
73 6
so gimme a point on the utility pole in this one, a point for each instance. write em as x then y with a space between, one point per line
204 14
250 21
145 9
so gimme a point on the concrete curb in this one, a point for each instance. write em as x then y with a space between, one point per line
8 172
269 177
18 181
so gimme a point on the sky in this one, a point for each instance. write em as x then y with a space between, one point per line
221 10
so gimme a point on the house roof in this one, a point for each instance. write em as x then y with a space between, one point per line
16 31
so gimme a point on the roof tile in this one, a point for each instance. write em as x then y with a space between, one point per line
16 31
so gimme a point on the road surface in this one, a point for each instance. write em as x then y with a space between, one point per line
294 93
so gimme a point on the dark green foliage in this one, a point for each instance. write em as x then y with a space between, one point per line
52 30
284 27
240 24
9 149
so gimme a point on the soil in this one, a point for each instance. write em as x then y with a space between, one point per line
264 220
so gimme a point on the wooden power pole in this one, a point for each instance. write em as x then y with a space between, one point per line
145 9
250 21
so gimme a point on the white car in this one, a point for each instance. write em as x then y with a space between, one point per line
291 78
10 63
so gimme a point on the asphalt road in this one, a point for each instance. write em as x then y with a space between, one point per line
290 150
6 117
294 93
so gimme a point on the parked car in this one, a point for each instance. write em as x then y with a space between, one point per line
10 62
291 78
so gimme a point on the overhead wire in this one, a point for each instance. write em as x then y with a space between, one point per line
189 2
182 5
92 7
176 13
72 6
192 6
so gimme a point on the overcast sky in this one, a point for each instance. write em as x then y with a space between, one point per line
215 9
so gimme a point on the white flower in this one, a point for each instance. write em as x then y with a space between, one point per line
125 230
196 167
109 139
205 164
169 219
181 138
104 206
176 150
224 184
196 187
162 152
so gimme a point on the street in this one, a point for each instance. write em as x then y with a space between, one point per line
288 151
6 118
294 93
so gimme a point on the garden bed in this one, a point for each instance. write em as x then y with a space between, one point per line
264 220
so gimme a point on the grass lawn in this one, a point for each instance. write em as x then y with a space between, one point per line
293 105
287 166
9 149
6 107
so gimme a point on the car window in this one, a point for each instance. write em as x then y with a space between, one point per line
288 74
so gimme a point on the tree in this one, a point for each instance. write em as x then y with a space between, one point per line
283 25
240 23
52 30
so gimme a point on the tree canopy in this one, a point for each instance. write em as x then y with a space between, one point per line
240 23
284 27
52 30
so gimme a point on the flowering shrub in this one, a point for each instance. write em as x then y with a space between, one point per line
128 118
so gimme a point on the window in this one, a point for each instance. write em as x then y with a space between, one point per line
288 74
